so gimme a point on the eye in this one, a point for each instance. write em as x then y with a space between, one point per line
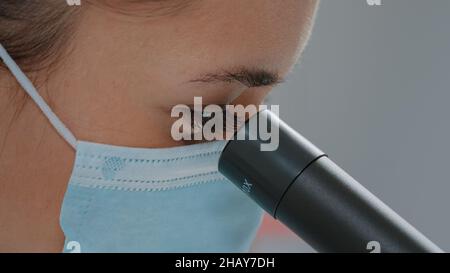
231 122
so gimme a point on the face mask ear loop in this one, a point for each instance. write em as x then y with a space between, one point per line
32 92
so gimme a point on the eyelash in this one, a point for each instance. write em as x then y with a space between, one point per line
225 114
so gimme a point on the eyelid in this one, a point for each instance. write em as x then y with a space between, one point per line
231 119
222 106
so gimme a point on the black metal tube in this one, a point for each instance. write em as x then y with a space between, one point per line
300 186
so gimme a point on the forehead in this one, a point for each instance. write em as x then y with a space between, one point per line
260 33
164 52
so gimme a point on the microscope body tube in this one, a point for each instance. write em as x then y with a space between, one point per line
301 187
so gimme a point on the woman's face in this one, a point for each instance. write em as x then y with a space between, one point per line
227 52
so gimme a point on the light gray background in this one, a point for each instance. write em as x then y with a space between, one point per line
373 91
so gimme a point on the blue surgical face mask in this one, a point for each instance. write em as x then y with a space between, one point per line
122 199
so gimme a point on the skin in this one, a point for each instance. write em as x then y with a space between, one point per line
117 85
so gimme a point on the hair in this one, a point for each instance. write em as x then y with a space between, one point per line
36 32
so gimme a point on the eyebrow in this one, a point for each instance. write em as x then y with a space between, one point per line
250 77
